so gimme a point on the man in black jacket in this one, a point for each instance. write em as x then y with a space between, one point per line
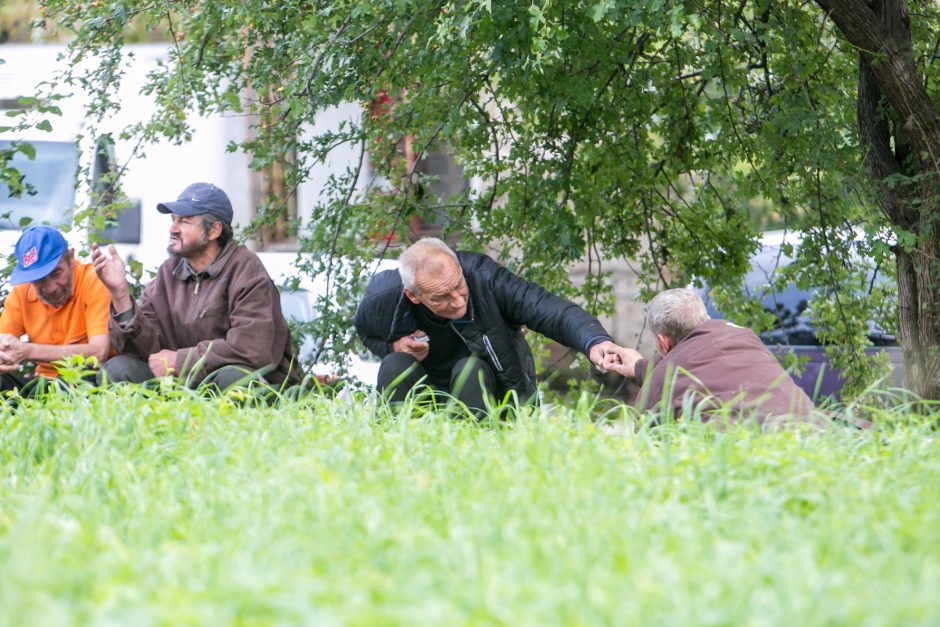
454 320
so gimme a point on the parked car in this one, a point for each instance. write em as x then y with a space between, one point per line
54 197
794 331
362 367
299 304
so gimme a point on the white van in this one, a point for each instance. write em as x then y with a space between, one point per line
52 196
68 173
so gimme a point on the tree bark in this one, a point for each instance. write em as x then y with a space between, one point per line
892 63
908 144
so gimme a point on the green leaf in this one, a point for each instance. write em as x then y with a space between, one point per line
27 149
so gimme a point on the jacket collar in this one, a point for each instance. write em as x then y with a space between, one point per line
183 271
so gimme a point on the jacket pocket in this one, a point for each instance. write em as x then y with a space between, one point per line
210 310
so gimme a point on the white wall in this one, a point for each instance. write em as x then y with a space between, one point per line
342 158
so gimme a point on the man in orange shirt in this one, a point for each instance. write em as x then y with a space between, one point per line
58 302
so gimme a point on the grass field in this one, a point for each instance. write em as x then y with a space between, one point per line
136 509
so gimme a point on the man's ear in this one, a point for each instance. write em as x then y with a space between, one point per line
664 344
214 231
411 296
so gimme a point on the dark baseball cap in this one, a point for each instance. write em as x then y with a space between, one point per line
37 254
200 198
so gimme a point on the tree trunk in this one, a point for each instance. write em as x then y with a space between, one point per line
901 139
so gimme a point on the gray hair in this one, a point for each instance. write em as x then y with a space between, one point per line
675 313
209 219
427 253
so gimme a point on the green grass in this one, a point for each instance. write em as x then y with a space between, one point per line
131 509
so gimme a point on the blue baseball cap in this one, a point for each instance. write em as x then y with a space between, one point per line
200 198
37 254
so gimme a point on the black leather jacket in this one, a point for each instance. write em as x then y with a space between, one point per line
500 304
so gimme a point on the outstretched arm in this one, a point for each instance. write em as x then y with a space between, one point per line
525 303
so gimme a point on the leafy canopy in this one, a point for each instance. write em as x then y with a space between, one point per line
661 131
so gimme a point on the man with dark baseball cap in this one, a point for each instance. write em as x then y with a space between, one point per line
200 198
212 314
57 302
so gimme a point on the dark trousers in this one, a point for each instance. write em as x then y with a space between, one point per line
470 379
128 368
33 386
11 381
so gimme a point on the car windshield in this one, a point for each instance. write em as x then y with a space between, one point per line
791 305
51 175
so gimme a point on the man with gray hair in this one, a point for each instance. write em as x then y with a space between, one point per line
712 362
455 321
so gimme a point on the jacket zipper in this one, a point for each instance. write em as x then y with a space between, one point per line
486 344
489 349
206 310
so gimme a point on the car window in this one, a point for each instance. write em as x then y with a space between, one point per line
791 305
51 175
295 305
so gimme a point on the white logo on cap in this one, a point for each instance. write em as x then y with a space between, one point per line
30 257
194 199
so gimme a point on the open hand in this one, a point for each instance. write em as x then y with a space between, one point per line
111 271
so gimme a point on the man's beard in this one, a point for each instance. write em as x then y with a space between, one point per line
59 298
192 249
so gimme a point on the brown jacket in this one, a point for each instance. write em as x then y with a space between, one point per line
725 364
228 314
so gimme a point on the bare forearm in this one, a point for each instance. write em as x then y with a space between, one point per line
97 347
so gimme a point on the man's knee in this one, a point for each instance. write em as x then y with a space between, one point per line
471 380
399 372
125 368
227 376
475 370
11 381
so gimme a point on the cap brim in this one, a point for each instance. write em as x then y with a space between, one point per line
180 208
33 273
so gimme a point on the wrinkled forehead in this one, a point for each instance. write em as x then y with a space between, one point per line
439 274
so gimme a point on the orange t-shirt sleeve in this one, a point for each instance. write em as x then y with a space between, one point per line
97 301
11 320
